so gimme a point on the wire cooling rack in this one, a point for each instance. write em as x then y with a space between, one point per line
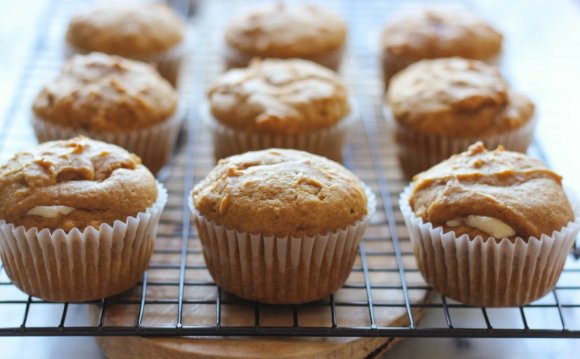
385 282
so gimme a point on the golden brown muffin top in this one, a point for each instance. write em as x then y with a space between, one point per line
136 31
286 31
74 183
282 193
106 93
441 31
493 193
456 97
284 97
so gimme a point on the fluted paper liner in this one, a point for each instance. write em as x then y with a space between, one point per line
153 144
81 265
418 152
327 142
167 63
236 58
280 270
486 272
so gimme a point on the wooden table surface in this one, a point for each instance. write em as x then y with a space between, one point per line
542 58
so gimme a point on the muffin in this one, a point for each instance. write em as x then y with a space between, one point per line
281 226
435 32
77 219
490 228
279 103
286 31
112 99
145 32
441 106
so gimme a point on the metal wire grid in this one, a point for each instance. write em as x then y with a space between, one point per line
385 279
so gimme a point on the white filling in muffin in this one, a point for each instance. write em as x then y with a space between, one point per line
50 211
492 226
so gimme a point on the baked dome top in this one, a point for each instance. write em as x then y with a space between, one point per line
456 97
282 193
106 93
74 183
286 30
139 30
440 31
285 97
482 192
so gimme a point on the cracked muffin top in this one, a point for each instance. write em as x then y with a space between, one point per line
74 184
456 97
499 194
139 30
106 93
440 31
282 193
286 31
284 97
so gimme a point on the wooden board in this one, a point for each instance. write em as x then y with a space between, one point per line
259 348
249 347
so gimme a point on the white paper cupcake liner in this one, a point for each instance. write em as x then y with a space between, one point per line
236 58
167 63
153 144
486 272
280 270
418 152
328 142
81 265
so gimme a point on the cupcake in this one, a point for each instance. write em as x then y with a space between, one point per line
77 219
490 228
441 106
286 31
279 103
112 99
146 32
280 226
434 32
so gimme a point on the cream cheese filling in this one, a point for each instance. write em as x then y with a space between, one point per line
492 226
50 211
